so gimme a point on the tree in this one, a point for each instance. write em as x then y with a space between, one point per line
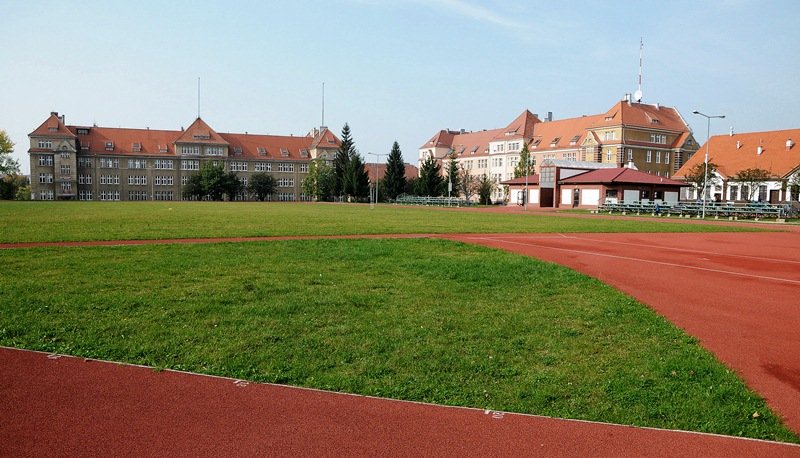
342 160
752 178
524 167
395 178
430 178
213 182
7 164
467 184
262 185
485 187
452 174
14 187
319 182
696 176
356 181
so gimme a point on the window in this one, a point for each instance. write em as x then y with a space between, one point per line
188 164
303 168
136 147
46 144
46 195
202 136
137 195
262 151
658 138
84 162
609 155
215 151
734 192
184 180
574 139
303 152
109 179
163 180
285 167
164 195
109 146
137 163
83 131
163 148
555 141
190 150
109 195
658 157
286 182
107 163
610 135
284 152
45 178
64 154
649 156
46 160
84 179
630 154
163 164
66 187
263 167
536 142
85 194
243 181
237 166
286 196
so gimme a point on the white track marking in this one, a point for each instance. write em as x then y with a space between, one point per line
628 258
685 250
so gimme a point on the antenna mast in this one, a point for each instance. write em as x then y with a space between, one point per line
323 104
198 96
638 94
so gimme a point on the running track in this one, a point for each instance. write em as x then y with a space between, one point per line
738 293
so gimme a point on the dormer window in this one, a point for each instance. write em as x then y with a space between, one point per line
162 148
303 152
237 150
136 147
262 151
202 136
52 129
536 143
574 139
109 146
474 149
83 131
284 152
555 141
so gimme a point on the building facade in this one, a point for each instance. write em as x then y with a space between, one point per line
775 152
654 138
121 164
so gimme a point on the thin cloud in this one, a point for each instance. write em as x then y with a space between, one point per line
475 12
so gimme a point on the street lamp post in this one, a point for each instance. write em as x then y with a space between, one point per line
377 158
705 161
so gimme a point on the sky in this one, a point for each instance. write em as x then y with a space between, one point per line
393 70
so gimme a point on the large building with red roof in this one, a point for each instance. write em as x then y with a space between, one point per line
775 152
111 164
655 138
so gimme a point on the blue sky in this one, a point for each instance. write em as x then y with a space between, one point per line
394 70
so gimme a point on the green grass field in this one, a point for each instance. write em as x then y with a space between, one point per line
424 320
74 221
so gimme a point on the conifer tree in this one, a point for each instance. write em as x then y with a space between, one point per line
524 166
430 178
395 178
342 160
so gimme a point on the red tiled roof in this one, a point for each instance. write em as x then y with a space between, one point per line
274 146
565 130
411 171
644 115
151 142
620 175
521 127
200 132
730 159
325 139
532 180
53 127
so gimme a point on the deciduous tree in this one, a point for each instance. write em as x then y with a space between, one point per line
752 178
7 164
212 182
262 185
696 176
319 182
485 187
524 166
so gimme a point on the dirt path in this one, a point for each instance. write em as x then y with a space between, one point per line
65 406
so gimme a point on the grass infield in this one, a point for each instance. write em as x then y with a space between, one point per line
424 320
77 221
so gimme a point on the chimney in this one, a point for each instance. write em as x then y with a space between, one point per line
789 144
738 144
658 107
731 132
549 116
760 149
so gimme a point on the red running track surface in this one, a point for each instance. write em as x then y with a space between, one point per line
739 293
64 406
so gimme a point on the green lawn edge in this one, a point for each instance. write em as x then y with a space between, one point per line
422 320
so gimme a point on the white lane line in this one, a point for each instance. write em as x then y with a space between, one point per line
685 250
628 258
